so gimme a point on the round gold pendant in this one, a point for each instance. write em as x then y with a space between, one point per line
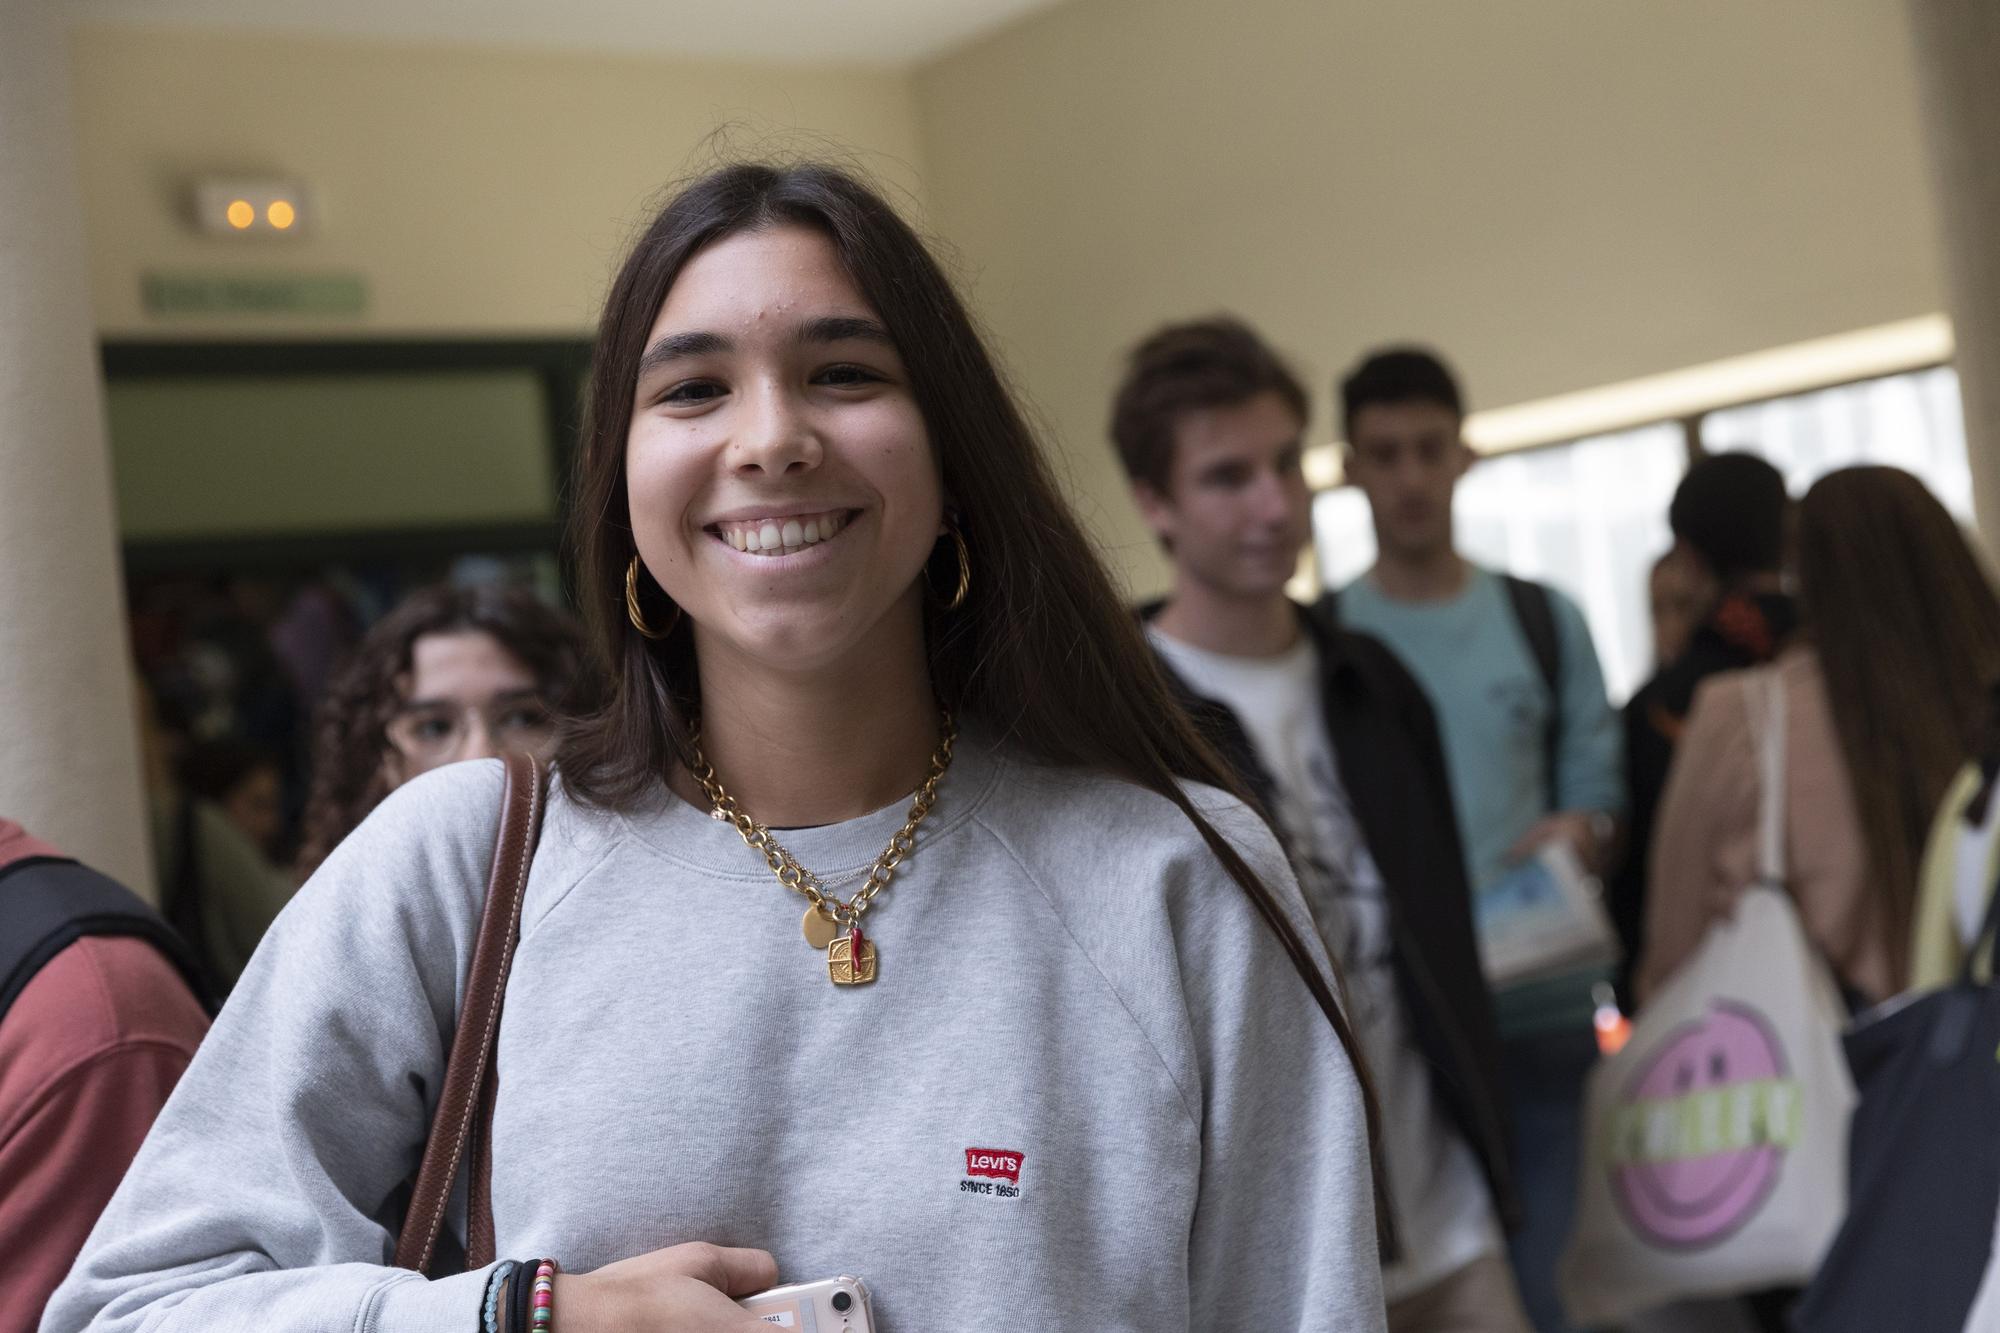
820 930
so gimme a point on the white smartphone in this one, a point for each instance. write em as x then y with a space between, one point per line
833 1305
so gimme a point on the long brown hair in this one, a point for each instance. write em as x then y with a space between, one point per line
350 732
1043 651
1907 631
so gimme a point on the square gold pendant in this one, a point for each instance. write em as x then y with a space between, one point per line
841 964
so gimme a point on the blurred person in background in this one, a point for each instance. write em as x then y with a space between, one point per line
1678 595
1728 517
452 673
98 1019
1885 696
204 646
218 827
1338 743
207 649
313 635
244 782
1530 741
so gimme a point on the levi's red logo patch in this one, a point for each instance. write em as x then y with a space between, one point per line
994 1162
992 1171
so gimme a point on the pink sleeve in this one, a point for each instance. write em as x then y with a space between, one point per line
1708 809
62 1162
17 844
88 1053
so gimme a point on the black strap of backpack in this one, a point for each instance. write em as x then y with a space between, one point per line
1536 615
49 903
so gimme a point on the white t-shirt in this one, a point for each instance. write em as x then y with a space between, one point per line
1444 1214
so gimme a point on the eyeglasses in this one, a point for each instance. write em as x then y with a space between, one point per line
441 731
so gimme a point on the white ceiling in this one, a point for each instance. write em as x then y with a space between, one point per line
843 32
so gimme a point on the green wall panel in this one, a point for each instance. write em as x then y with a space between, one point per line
218 456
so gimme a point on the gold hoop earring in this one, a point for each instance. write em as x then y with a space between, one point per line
964 568
632 605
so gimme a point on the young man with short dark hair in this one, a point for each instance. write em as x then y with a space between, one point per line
1728 519
1530 741
1337 742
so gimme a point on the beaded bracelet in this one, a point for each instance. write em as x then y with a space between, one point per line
545 1297
494 1286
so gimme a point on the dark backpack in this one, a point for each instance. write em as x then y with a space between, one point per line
1923 1161
1535 613
48 903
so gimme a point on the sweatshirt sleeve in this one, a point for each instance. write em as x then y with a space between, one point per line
63 1160
265 1195
1710 785
1588 772
1283 1235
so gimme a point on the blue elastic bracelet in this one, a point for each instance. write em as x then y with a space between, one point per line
494 1286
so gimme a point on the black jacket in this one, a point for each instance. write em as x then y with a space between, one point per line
1386 747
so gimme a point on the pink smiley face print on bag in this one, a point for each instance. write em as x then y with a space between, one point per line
1702 1132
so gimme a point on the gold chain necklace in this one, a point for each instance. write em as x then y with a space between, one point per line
850 956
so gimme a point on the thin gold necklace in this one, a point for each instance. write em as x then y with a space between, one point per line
830 923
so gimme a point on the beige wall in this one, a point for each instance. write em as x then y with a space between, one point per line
1563 193
477 190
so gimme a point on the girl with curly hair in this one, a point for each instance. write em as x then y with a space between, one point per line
452 673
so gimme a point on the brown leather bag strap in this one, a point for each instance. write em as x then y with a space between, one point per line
462 1126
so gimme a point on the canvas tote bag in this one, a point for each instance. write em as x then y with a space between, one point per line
1716 1152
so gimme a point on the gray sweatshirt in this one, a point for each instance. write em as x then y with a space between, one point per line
1088 1090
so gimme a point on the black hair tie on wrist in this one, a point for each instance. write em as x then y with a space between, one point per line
521 1299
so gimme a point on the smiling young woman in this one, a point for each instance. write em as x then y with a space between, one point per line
1055 1049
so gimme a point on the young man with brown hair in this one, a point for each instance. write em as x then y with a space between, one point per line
1530 741
1337 742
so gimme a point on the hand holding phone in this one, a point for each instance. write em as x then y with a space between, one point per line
681 1289
832 1305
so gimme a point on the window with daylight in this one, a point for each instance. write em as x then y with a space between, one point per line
1590 516
1909 421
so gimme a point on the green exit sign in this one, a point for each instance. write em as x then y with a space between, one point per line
254 293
